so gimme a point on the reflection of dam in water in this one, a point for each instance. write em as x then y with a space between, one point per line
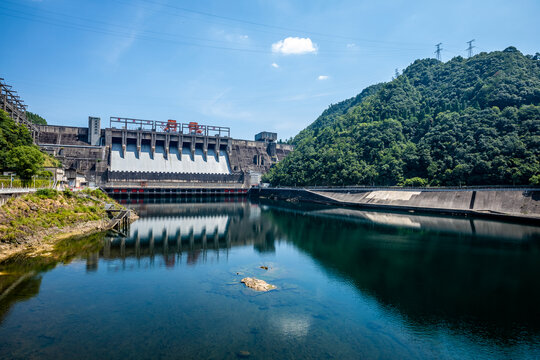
174 234
448 224
463 226
193 228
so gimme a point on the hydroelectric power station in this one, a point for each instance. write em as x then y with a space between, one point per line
134 156
151 157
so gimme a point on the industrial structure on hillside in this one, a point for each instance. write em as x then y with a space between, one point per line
12 103
146 156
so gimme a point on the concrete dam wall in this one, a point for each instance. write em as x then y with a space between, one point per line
143 154
173 162
514 204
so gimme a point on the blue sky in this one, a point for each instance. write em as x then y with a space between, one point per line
247 64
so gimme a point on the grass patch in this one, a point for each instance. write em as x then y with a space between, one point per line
26 216
98 194
47 193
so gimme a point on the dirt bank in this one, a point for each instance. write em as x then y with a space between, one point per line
34 223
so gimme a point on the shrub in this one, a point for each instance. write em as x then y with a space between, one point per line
97 193
47 193
415 182
68 193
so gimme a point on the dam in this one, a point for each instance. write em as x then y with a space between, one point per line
135 156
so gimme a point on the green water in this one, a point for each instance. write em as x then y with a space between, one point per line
350 285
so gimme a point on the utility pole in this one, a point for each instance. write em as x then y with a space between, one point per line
438 51
469 49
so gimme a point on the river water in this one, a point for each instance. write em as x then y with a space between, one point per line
350 285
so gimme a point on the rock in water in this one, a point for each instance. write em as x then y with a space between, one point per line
257 284
243 354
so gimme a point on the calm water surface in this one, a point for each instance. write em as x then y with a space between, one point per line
350 285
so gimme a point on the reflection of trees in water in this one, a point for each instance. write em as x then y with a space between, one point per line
429 277
267 245
27 288
21 279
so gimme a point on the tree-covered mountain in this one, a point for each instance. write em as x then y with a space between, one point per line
472 121
35 118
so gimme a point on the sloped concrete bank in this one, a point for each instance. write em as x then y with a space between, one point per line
522 205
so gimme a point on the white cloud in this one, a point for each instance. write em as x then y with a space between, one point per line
231 37
351 45
295 45
323 77
275 66
236 37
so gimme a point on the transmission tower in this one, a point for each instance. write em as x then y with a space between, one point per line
438 51
469 49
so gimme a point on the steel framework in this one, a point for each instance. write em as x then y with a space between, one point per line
11 103
165 126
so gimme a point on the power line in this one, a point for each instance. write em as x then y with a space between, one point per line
469 49
123 34
258 24
200 16
105 28
438 51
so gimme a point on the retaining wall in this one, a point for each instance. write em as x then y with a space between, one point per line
523 205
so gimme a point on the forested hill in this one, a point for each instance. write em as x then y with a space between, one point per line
472 121
334 111
35 118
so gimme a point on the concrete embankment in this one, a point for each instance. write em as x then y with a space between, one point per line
511 204
6 194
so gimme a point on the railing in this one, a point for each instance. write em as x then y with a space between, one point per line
170 126
16 190
405 188
7 182
191 177
132 124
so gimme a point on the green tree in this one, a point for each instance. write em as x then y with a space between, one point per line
415 182
35 118
11 135
26 161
